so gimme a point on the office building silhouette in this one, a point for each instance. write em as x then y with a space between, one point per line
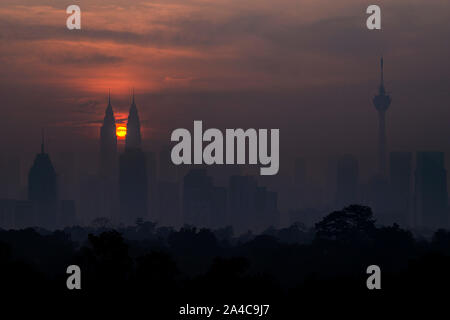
347 177
108 182
400 188
197 198
108 143
430 194
133 185
42 191
382 101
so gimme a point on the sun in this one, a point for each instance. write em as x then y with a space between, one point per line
121 132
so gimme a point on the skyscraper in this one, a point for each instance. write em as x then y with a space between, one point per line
242 202
7 208
430 195
197 198
167 198
204 205
251 207
133 137
151 168
382 101
347 175
10 173
400 172
219 207
133 185
266 209
108 143
42 189
108 188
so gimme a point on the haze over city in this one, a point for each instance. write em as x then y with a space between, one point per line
309 68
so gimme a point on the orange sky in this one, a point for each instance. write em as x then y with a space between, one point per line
270 62
153 45
193 44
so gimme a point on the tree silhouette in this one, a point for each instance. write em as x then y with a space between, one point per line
107 261
100 222
441 241
351 224
156 270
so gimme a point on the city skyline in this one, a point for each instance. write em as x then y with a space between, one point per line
220 58
130 184
313 75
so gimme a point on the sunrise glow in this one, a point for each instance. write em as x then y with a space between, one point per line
121 132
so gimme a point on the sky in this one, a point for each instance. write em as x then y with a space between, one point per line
309 68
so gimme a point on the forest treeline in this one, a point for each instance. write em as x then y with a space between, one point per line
177 266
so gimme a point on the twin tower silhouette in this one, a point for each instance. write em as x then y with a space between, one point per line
129 165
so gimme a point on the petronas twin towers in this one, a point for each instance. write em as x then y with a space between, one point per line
132 173
133 137
108 143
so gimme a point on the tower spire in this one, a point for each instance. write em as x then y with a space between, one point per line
133 137
382 90
382 76
109 113
382 101
108 141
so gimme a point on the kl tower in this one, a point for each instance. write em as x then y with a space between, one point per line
382 101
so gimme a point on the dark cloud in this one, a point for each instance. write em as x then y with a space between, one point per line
88 107
86 60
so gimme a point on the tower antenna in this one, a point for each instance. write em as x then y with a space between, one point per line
382 102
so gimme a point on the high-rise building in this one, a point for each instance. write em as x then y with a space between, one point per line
133 137
251 207
382 101
108 143
430 195
108 188
7 207
167 171
167 204
65 164
219 208
91 198
10 174
29 213
42 189
375 194
152 185
242 199
197 198
347 175
266 209
133 185
400 173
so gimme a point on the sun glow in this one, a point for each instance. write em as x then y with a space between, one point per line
121 132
